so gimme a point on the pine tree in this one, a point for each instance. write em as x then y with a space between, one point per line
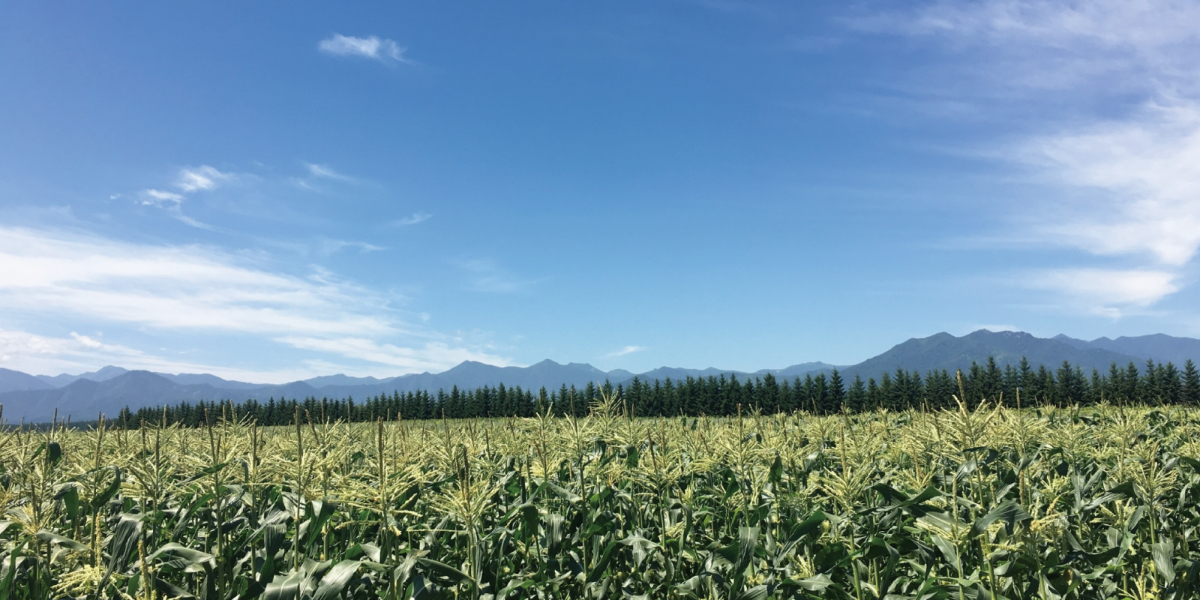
1171 386
856 397
837 391
768 394
1191 384
993 381
1025 377
821 394
874 399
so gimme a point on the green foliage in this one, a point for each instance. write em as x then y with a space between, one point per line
978 502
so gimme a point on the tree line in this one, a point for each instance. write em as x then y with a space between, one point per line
1011 386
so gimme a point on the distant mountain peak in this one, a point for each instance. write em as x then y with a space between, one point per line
108 389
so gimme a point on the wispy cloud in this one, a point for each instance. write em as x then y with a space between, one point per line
153 197
1107 292
50 355
70 275
432 356
204 177
486 275
369 47
189 180
327 172
413 219
173 287
624 351
1127 185
1141 182
327 246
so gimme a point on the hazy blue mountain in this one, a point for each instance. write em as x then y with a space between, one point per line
111 388
84 398
343 380
15 380
676 374
471 374
103 374
620 375
944 351
1159 347
206 379
800 370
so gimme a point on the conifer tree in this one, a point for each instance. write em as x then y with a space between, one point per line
837 391
1191 384
856 397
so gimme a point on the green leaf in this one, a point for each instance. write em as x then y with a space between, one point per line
335 580
273 536
563 493
1120 492
807 526
1163 553
191 555
640 547
288 588
107 494
631 457
446 571
124 542
1010 512
928 493
602 564
70 497
948 550
371 551
692 588
54 453
58 540
816 583
758 592
747 542
776 473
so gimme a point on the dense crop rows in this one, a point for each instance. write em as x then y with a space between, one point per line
965 503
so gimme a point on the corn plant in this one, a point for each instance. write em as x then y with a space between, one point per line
972 502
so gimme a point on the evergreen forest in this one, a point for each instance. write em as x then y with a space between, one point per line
1011 386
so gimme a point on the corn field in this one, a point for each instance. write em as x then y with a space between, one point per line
983 503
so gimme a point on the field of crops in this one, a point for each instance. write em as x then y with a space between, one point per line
985 503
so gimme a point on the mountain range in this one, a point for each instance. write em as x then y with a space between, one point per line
36 397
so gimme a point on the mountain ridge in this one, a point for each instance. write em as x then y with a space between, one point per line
110 388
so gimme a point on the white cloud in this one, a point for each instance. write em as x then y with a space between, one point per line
432 356
1142 26
87 342
1126 180
412 219
173 287
327 246
1106 291
486 275
624 351
195 179
58 275
328 173
1142 182
369 47
46 355
154 197
189 180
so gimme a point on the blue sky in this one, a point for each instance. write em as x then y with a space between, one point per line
279 190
